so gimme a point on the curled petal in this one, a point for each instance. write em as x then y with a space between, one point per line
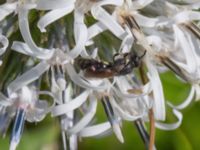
95 130
25 49
187 48
52 16
71 105
25 31
38 112
186 102
87 117
172 126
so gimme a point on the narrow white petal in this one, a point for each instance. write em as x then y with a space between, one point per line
71 105
68 93
52 16
61 82
73 142
186 102
127 43
95 29
197 91
25 49
195 5
94 53
141 3
171 126
13 145
7 9
183 43
25 31
22 48
159 103
118 133
109 21
52 4
28 77
186 16
86 119
26 95
81 34
145 21
95 130
3 41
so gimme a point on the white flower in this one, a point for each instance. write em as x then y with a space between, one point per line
163 31
23 103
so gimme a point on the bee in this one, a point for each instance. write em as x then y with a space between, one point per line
122 64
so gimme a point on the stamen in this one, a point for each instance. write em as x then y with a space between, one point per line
17 129
193 28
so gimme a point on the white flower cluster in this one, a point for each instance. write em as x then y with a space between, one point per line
166 31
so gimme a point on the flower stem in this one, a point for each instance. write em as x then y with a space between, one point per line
152 129
151 113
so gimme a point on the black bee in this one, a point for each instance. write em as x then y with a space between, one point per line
122 65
